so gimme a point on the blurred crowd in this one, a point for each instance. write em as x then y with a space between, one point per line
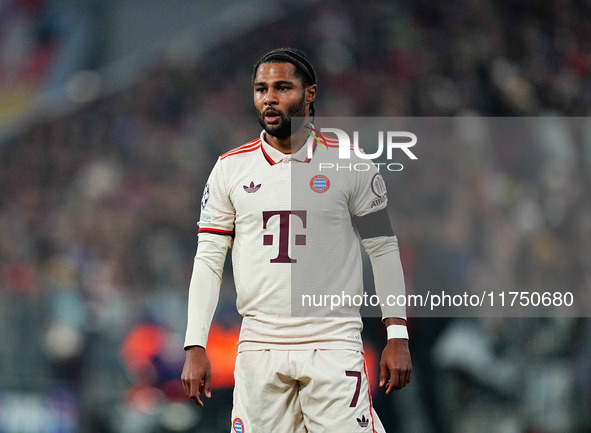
29 45
98 212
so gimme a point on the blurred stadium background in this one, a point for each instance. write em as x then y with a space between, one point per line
111 116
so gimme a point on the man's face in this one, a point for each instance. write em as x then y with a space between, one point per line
278 96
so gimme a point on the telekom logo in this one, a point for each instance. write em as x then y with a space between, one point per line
284 218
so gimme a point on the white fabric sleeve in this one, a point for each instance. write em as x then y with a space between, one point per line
368 190
387 273
204 288
217 211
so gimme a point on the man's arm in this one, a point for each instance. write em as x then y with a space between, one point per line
216 229
204 292
374 228
389 281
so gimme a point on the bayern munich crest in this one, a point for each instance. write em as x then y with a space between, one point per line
319 183
238 425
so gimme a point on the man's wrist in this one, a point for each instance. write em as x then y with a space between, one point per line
396 328
193 347
394 321
397 331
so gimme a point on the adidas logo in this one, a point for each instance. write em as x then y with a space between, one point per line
251 188
363 422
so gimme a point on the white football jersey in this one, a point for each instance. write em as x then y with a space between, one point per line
292 236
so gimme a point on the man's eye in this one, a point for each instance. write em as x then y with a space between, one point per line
260 90
283 88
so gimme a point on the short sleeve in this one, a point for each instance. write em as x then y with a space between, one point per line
217 211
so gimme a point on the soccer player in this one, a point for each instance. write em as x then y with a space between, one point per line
294 372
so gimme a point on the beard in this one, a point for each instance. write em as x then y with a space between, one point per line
283 128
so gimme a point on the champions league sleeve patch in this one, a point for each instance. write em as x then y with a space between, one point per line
205 197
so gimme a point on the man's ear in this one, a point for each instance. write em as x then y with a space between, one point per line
311 93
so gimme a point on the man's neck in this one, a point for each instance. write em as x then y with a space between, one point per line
281 144
290 144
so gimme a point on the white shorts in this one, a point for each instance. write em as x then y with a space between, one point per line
302 391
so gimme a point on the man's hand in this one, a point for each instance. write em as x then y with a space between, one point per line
196 375
396 361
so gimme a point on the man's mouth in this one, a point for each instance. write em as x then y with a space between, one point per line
272 116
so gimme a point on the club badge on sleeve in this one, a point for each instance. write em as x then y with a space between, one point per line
378 186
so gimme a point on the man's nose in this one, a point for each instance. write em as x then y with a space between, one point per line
270 97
